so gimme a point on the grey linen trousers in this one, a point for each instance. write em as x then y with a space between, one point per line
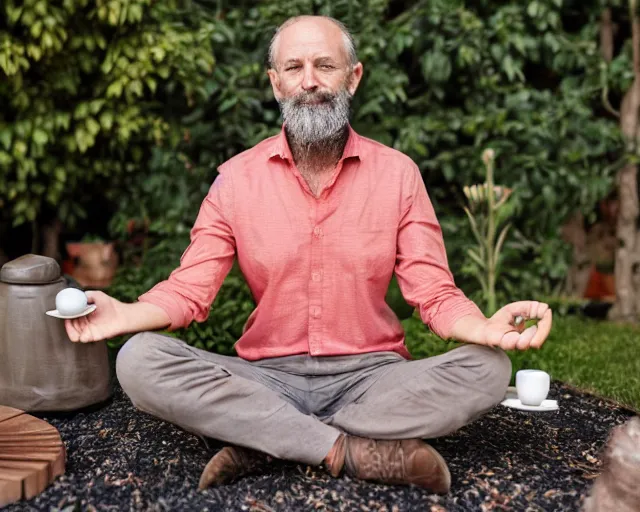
295 407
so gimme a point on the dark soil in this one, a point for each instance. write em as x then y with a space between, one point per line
122 459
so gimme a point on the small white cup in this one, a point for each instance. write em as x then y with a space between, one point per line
71 301
532 386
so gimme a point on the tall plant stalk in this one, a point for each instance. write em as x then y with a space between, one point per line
486 203
491 233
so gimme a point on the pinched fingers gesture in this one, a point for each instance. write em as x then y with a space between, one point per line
506 328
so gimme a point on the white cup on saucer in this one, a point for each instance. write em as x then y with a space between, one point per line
532 386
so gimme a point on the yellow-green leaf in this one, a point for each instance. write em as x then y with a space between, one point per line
81 111
36 29
5 138
19 148
106 120
40 137
151 83
93 126
135 87
115 89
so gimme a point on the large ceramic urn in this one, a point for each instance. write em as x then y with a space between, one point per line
41 369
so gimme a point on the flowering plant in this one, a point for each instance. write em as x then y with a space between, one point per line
487 210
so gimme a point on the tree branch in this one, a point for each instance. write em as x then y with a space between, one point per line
606 48
606 35
635 37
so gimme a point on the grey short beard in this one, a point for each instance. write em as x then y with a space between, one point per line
317 134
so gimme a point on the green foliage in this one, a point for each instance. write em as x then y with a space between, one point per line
523 85
130 104
80 95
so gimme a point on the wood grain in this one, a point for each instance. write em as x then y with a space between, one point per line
32 455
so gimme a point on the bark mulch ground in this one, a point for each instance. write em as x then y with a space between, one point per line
122 459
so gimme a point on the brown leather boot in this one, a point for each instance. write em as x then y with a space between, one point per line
231 463
396 462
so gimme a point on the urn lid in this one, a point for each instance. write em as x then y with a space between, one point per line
30 269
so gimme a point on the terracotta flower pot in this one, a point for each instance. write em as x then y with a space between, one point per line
96 263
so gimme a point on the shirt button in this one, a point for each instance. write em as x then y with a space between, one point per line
316 311
316 276
317 231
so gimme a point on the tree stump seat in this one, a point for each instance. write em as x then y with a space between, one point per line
32 455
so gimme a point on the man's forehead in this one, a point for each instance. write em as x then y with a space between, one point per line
310 38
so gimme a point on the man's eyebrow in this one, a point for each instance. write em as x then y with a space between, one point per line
318 60
325 59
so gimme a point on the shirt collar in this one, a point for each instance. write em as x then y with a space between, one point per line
281 146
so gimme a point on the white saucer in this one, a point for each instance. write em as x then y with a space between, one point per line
511 400
89 309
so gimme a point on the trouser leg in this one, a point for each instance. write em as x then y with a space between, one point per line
427 398
220 397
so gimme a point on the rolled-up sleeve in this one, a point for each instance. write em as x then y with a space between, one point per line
421 267
187 294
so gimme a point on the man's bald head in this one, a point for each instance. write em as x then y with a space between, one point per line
347 38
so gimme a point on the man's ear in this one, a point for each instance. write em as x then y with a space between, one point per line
354 80
275 82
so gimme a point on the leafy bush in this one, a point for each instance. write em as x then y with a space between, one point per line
84 88
143 100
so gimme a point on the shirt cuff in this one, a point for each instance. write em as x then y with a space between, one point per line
443 322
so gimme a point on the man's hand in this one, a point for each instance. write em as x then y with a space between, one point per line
107 321
501 330
112 318
505 329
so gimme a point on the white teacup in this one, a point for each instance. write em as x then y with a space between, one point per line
532 386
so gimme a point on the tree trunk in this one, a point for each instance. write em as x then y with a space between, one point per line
573 232
636 272
627 185
627 250
51 240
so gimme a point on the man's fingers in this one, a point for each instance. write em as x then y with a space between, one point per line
79 325
540 311
508 313
87 331
72 332
509 340
525 308
525 338
544 328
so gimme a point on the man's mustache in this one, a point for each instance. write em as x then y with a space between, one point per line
308 98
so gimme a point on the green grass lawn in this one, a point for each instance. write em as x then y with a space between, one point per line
600 357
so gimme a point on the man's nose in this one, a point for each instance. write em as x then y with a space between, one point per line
309 80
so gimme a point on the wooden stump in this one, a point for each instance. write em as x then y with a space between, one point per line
617 489
32 455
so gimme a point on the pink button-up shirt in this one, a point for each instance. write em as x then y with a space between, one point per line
318 268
